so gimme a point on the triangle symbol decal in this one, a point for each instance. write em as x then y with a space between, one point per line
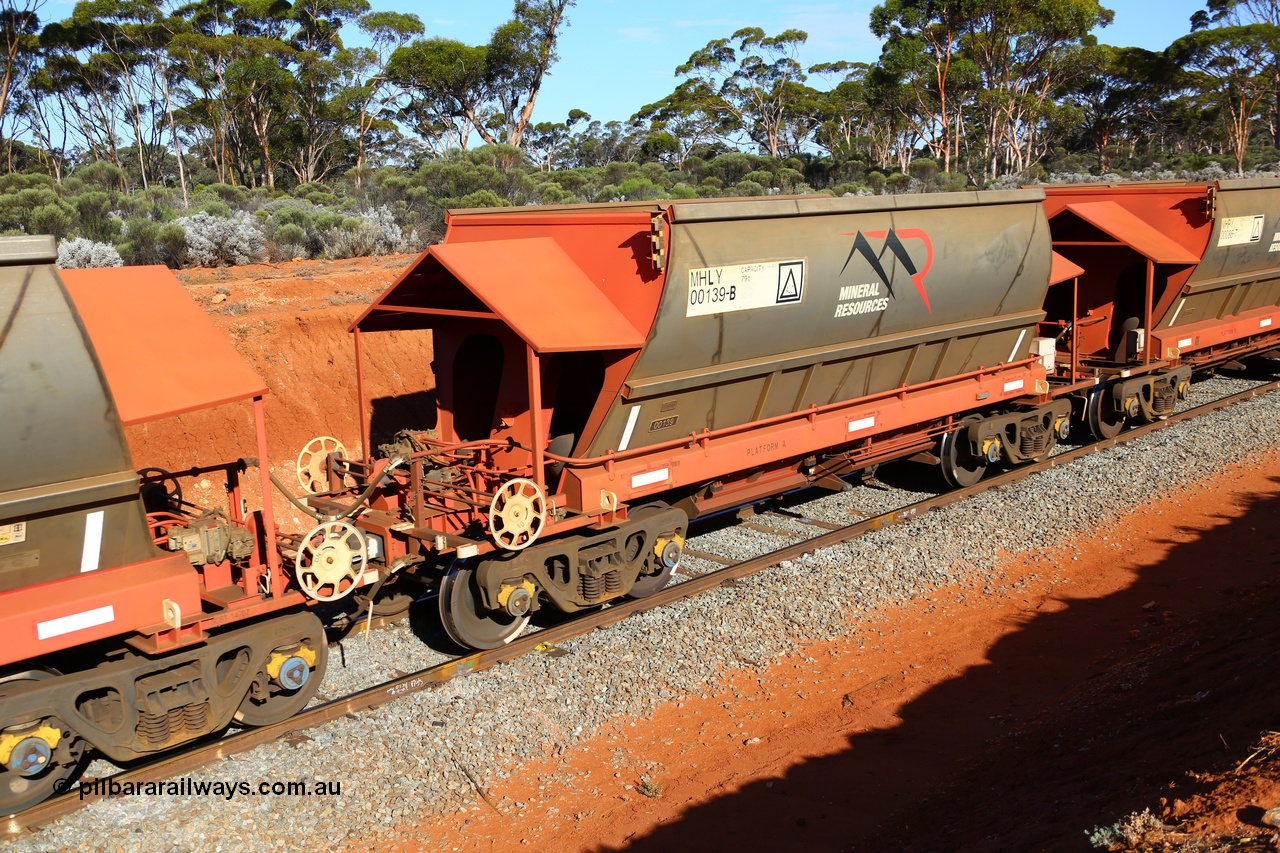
789 290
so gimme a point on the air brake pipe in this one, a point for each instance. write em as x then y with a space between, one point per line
396 461
374 482
297 503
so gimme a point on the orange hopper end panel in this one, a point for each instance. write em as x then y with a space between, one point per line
161 354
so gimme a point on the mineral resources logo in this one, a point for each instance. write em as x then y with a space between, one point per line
865 298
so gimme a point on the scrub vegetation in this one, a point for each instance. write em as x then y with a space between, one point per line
223 132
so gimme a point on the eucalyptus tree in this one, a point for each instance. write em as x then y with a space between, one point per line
755 89
372 96
922 48
897 130
491 89
1233 65
19 40
125 45
448 91
1023 51
1117 87
86 85
323 70
1243 13
519 55
684 123
845 112
545 142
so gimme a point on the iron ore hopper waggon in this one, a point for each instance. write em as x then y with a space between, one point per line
1172 277
132 620
604 374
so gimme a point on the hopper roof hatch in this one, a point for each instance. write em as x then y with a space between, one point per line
161 354
531 285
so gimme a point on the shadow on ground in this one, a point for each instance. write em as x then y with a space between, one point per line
1078 718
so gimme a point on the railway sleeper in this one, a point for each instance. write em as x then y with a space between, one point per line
634 558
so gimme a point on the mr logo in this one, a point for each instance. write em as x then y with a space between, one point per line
893 243
790 282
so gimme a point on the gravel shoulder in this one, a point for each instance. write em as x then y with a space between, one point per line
1027 708
411 771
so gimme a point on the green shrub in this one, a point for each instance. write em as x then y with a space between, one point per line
290 216
232 195
789 180
103 175
16 208
96 222
150 242
552 193
290 233
898 182
480 198
640 189
732 168
14 182
55 219
289 241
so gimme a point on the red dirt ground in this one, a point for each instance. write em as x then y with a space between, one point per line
1129 673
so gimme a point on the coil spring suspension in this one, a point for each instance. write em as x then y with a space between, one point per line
153 728
1164 398
1034 440
196 716
613 581
589 587
157 729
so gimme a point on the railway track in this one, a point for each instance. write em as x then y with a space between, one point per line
546 637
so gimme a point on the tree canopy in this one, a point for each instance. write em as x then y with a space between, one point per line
281 94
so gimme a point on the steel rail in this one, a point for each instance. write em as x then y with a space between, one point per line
369 698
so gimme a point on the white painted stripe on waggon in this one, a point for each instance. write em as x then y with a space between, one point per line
631 424
1177 311
648 478
1013 353
75 622
862 423
92 552
1015 385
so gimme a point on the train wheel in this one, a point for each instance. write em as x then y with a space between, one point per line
465 621
34 770
288 680
391 601
960 468
1099 416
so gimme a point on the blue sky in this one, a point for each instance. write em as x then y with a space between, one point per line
618 55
